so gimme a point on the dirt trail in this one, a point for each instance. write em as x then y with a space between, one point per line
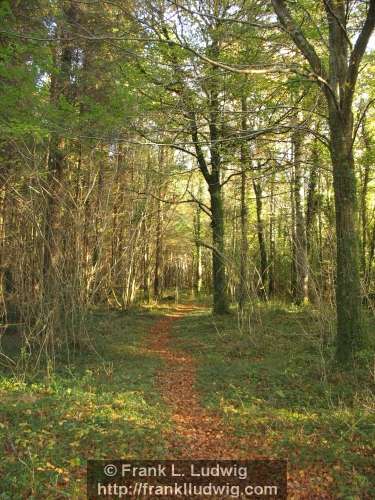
198 434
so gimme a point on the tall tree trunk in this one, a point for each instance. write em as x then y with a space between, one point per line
55 169
302 277
158 252
261 239
97 216
60 87
221 305
146 261
220 299
272 246
159 230
244 274
219 279
198 271
338 82
371 254
311 212
7 307
364 193
348 290
293 265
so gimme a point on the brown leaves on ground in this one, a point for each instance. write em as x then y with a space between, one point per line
198 433
202 434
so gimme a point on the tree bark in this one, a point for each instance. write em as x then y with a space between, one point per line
272 247
219 279
371 254
311 205
60 87
301 266
243 278
198 272
261 240
311 216
348 289
221 305
364 210
220 300
159 233
338 82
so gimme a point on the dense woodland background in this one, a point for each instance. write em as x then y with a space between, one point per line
204 162
154 148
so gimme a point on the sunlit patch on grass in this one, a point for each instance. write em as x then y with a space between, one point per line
103 406
276 386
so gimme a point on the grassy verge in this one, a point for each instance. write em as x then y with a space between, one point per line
104 405
277 387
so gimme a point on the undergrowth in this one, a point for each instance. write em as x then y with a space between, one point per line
103 404
276 384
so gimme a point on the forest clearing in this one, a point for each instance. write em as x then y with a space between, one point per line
187 249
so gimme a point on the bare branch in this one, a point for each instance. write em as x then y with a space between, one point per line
359 50
295 32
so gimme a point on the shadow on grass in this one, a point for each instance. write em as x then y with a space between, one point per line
276 385
103 405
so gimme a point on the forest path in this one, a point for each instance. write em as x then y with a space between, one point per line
198 433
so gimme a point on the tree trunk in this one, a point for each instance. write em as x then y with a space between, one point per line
293 266
371 254
60 87
261 240
311 215
159 229
198 272
55 169
272 247
348 291
244 275
338 82
219 279
146 262
220 300
158 252
364 193
301 266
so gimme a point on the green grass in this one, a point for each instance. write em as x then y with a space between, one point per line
104 405
278 388
274 384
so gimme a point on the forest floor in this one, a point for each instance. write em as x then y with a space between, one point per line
195 433
176 382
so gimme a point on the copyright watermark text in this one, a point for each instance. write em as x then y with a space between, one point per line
187 479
